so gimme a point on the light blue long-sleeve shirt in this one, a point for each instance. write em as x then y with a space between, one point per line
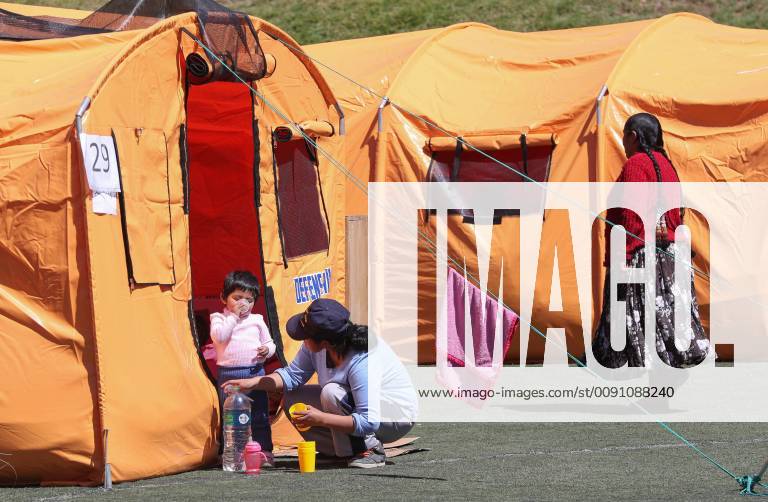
353 373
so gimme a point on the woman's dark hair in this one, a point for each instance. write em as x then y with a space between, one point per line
240 279
355 337
649 137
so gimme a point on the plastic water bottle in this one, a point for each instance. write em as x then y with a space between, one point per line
237 430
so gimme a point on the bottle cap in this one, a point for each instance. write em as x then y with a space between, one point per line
252 446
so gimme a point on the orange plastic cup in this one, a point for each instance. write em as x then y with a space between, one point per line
307 456
293 409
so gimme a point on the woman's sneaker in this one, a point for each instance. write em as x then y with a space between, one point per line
373 457
269 460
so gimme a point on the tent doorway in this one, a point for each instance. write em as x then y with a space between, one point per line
222 196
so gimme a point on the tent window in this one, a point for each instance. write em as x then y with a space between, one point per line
145 205
473 166
303 230
462 165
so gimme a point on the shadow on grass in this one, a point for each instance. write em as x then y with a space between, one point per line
320 465
403 476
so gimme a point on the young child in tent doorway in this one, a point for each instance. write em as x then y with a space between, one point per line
243 344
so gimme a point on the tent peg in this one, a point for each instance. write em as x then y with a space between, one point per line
107 466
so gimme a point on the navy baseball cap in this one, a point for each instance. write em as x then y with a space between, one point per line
324 319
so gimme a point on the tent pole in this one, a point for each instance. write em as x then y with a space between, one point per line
342 129
80 112
599 100
600 130
598 279
381 113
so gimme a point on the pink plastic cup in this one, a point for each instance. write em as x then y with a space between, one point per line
254 457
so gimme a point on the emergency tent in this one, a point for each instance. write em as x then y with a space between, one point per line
100 357
553 105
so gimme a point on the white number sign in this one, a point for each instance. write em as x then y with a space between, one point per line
101 163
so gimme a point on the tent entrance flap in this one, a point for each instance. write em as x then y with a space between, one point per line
222 143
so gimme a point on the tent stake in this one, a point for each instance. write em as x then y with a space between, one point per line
107 467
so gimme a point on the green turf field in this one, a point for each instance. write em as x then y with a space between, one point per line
312 21
490 462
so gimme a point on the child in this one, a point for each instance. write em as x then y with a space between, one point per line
242 344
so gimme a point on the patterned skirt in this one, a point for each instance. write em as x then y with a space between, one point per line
667 293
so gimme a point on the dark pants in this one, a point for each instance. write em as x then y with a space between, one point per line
260 429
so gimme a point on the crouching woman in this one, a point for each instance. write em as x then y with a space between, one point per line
337 415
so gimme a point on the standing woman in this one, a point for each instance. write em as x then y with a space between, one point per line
647 161
337 416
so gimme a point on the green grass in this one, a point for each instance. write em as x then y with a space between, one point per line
489 462
323 20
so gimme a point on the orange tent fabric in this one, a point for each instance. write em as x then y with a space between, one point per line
706 82
96 322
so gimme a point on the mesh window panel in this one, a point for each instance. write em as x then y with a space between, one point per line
302 225
229 34
475 167
16 27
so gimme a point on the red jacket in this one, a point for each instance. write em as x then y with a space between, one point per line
639 168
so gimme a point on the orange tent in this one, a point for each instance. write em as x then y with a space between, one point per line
566 94
99 353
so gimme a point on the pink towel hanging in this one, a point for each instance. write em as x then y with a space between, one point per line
483 329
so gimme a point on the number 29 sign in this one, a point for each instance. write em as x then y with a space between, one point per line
100 162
